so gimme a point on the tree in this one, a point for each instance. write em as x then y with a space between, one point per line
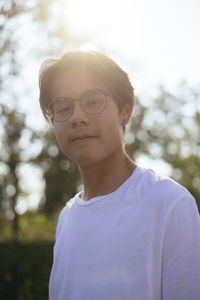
169 129
11 122
60 174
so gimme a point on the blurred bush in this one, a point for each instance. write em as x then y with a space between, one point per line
28 275
26 264
32 226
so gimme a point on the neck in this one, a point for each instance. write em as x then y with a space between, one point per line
105 177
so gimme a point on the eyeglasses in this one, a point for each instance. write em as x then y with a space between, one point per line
92 102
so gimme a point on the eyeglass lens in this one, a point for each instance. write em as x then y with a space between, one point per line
91 102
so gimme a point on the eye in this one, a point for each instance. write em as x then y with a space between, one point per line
61 107
94 100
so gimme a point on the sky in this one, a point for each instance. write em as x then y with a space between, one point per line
155 41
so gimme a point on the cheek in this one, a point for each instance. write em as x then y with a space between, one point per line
113 132
60 134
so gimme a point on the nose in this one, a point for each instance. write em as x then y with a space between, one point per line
78 117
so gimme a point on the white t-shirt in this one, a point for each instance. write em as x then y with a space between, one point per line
141 242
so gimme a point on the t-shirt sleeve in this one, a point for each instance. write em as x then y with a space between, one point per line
181 252
60 222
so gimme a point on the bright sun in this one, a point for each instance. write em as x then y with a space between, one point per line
110 21
90 15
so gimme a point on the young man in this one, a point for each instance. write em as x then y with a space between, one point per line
130 234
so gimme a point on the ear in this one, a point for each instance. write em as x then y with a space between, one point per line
125 114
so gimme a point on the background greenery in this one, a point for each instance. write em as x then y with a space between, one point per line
27 277
26 263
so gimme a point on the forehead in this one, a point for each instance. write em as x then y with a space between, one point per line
74 82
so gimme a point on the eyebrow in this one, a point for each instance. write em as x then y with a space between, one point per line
85 92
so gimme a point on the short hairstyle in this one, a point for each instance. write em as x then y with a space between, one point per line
97 63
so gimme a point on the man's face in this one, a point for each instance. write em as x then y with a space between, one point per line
85 138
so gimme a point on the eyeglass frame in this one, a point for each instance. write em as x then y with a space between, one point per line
51 114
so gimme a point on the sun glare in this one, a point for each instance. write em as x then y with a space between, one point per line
91 16
135 29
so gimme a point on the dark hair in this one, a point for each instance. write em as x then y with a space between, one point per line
97 63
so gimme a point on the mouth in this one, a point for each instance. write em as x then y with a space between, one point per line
81 139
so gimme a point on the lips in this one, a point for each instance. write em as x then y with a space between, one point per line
82 138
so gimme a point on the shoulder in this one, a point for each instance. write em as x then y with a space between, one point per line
69 205
169 205
162 190
161 185
63 216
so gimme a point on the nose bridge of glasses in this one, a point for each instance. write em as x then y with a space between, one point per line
76 106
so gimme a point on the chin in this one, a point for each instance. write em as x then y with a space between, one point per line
90 157
86 160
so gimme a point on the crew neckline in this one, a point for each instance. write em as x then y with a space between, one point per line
82 202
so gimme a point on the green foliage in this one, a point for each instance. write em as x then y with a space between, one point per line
32 226
60 174
9 10
169 129
37 226
26 265
11 127
187 172
5 230
25 269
